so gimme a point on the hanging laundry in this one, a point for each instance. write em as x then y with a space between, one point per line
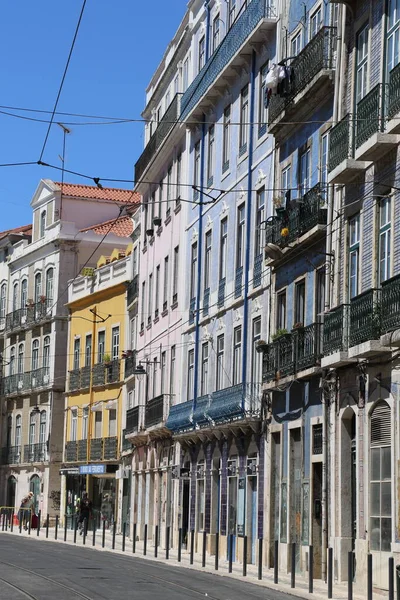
272 77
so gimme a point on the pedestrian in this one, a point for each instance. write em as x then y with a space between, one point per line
25 510
85 510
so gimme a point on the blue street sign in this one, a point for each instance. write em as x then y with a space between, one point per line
92 469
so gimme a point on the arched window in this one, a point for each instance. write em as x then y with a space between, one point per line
18 431
42 427
3 296
20 364
9 431
32 429
42 223
49 287
381 478
24 293
12 361
15 296
46 352
38 287
35 355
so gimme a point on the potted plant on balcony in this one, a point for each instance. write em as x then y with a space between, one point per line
107 359
279 333
261 346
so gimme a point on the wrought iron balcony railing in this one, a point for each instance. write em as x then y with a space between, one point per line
257 270
155 410
85 377
96 449
74 380
164 127
307 346
235 402
316 56
206 302
132 290
371 114
394 92
341 142
192 309
365 317
113 371
29 315
99 374
35 453
221 292
11 455
297 221
390 319
82 450
110 451
126 445
71 451
256 11
132 420
130 365
336 330
22 382
238 282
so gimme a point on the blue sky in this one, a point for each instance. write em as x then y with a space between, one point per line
119 46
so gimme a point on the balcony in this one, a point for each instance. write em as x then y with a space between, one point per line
126 445
132 290
372 142
390 313
303 223
35 453
130 365
96 449
113 371
71 451
30 315
110 448
313 82
258 17
85 377
257 270
238 282
336 337
135 431
155 415
99 374
237 402
393 106
11 455
192 310
365 325
74 380
82 450
221 292
180 417
164 127
206 302
24 382
342 166
292 353
132 420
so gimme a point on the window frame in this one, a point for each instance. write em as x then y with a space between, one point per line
354 252
237 355
115 342
385 236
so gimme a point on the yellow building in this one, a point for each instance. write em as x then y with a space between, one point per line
97 305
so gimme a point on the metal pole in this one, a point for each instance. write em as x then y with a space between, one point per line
156 543
293 566
276 561
230 552
310 570
180 544
192 547
123 536
47 526
56 529
21 516
350 576
167 534
75 528
216 550
3 521
94 531
6 515
391 580
134 539
330 572
85 528
103 540
113 535
65 528
29 522
260 558
39 522
369 577
12 522
145 540
245 556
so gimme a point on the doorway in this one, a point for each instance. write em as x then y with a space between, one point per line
11 488
295 491
317 518
185 511
252 517
34 487
232 514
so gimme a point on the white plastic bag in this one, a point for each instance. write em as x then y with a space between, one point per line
272 78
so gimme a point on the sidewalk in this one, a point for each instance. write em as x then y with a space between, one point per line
301 589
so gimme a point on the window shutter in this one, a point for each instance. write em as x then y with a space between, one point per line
381 425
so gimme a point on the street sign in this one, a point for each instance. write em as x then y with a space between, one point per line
92 469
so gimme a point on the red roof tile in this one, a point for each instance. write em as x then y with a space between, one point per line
23 230
122 227
77 190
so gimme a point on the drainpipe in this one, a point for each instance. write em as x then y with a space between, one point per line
248 224
208 18
199 258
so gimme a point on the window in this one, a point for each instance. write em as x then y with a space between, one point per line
172 372
207 260
393 44
112 422
20 365
165 298
226 141
176 275
35 355
49 287
320 293
202 52
237 355
197 169
193 271
38 287
115 343
85 416
9 431
323 168
256 357
88 350
150 299
153 209
42 224
219 379
259 232
155 376
15 297
101 342
42 427
24 293
163 372
132 333
244 118
354 249
281 311
223 247
299 302
210 157
18 431
160 200
46 352
167 100
232 12
143 303
381 478
286 183
304 172
384 238
157 293
3 297
185 75
362 64
146 221
12 360
32 429
169 190
190 375
176 84
77 353
295 44
240 233
178 178
262 108
204 370
98 424
215 33
315 22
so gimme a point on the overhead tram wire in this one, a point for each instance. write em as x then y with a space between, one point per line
63 79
